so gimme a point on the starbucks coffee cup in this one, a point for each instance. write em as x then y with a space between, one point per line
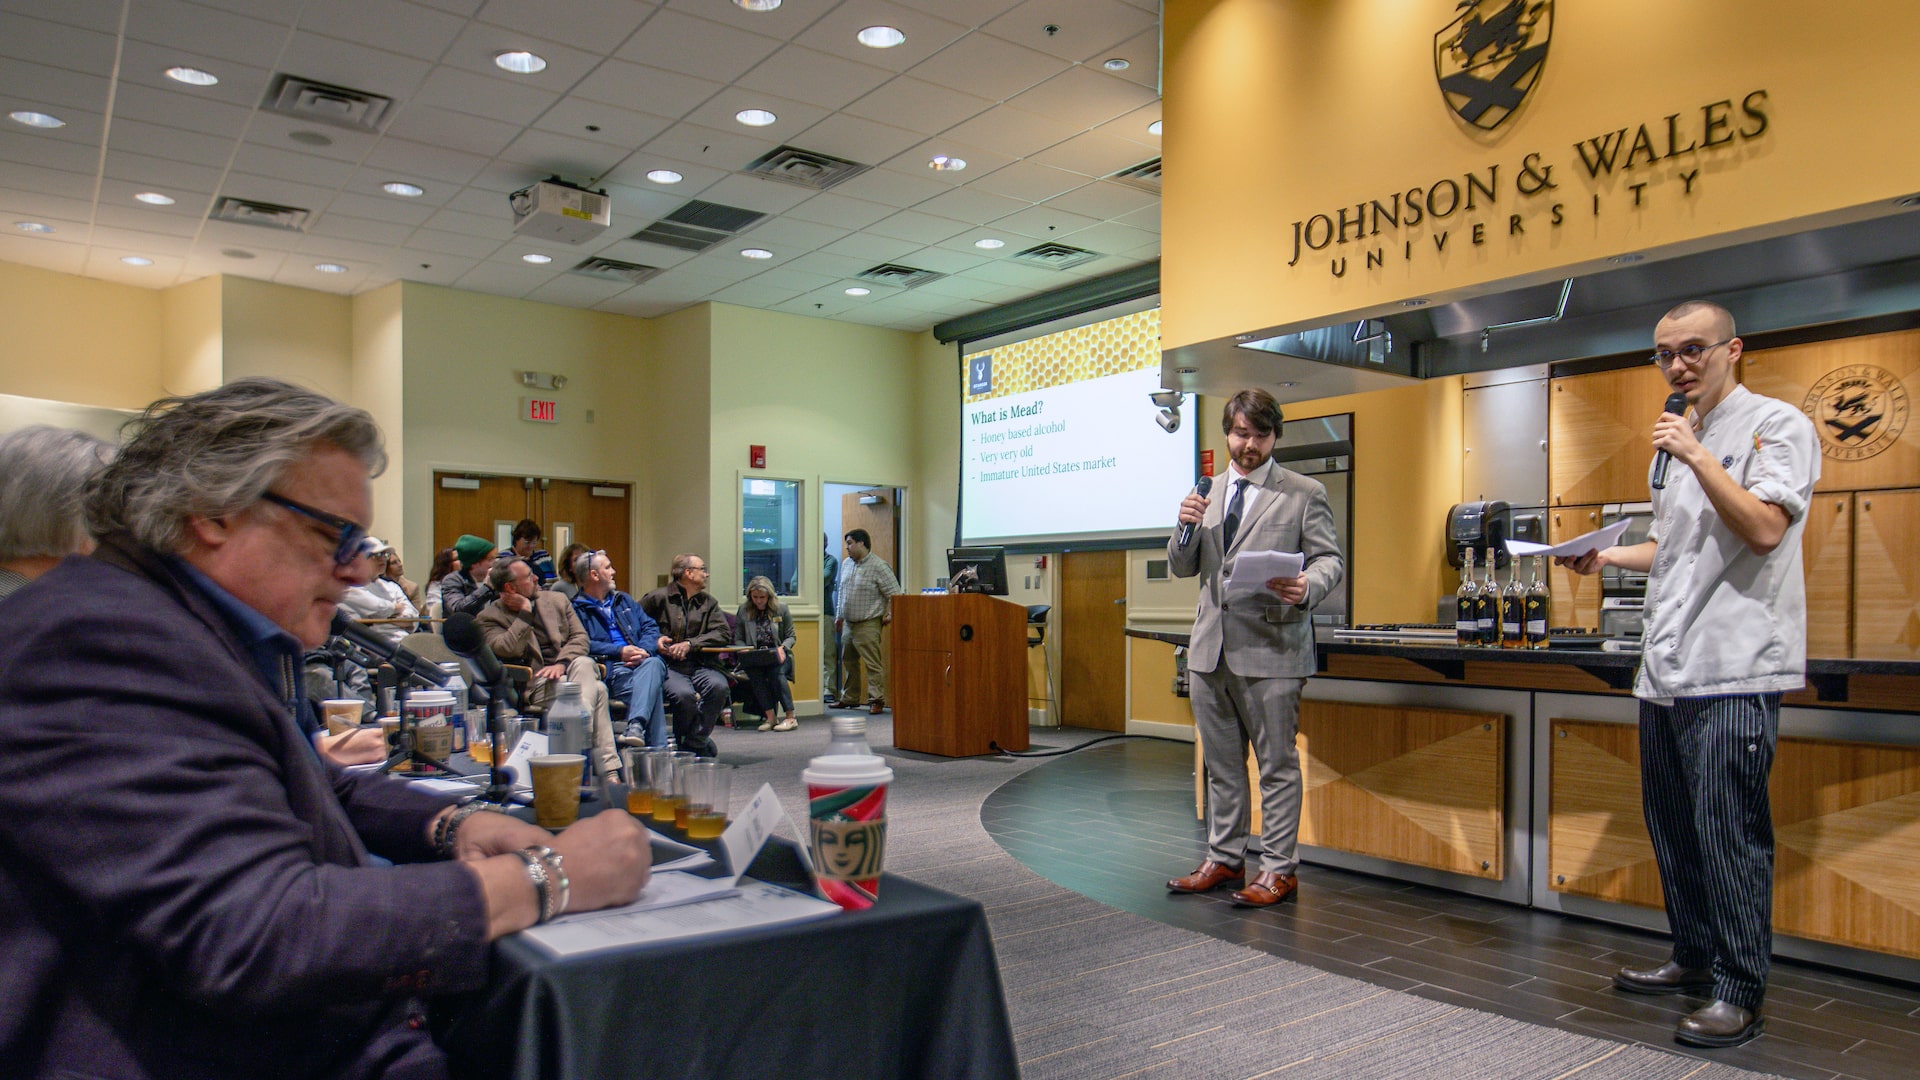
847 825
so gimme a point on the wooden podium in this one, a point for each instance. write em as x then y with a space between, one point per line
958 674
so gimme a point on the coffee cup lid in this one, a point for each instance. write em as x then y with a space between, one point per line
430 697
847 770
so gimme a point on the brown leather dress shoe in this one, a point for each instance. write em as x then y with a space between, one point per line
879 706
1719 1024
1668 978
1268 888
1209 877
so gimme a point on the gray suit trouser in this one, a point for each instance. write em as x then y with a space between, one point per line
1231 712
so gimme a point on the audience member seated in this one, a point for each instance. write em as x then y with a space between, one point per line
526 544
568 585
445 562
396 572
466 588
764 623
187 891
380 597
690 621
42 472
525 625
623 638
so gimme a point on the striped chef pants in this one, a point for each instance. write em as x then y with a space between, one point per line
1703 770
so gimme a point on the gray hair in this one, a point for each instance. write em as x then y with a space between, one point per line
502 572
583 565
214 454
43 472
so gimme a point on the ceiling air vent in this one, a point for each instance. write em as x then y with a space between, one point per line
1145 176
1056 256
698 225
615 270
325 103
805 168
264 214
903 277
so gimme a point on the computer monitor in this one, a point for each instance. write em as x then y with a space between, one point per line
977 569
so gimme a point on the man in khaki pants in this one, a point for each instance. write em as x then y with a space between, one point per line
867 587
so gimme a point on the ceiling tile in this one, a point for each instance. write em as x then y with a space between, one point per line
140 137
55 43
479 43
493 227
382 207
969 203
51 89
1013 131
654 90
224 234
454 130
43 252
575 159
308 169
1147 219
1006 272
449 243
355 66
793 116
342 227
1095 154
1044 222
890 187
103 262
1111 238
634 251
1086 27
965 12
458 7
140 168
988 67
240 83
153 106
204 261
757 193
439 269
150 219
1103 199
577 290
874 249
944 261
855 139
616 126
1029 180
419 159
827 262
755 293
356 254
907 102
101 15
964 243
793 234
593 25
632 205
705 146
505 177
795 280
1084 98
926 34
50 209
915 226
833 208
408 29
67 155
917 161
1142 52
140 242
813 77
478 201
478 95
275 190
694 46
180 25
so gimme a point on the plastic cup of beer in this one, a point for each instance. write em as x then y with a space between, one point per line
668 795
342 714
638 796
709 785
556 789
390 727
847 826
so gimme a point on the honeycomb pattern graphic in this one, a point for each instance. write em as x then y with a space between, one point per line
1128 343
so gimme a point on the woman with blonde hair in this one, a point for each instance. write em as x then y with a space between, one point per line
764 623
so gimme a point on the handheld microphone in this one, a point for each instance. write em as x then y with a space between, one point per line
403 659
1200 487
462 634
1677 405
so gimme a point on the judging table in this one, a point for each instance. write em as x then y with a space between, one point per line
908 988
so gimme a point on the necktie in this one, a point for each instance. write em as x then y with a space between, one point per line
1232 524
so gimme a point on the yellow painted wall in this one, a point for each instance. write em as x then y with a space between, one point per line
461 398
301 336
677 390
1277 111
77 340
191 334
379 386
935 509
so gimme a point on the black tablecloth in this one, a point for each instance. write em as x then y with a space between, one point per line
908 988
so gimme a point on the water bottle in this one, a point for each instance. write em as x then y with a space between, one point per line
566 720
849 737
457 686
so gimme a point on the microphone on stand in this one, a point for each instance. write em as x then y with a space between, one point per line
1677 405
462 634
404 660
1200 488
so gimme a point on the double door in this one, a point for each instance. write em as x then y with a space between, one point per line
595 514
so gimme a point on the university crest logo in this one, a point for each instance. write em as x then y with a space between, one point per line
1859 410
1490 57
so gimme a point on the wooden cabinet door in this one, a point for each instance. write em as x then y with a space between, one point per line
1599 428
1573 600
924 699
1886 575
1826 550
1859 393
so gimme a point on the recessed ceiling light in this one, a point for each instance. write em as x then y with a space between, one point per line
136 260
665 176
1418 301
1909 202
519 61
755 117
880 37
943 163
1628 259
154 198
756 253
1153 128
236 253
309 138
990 244
33 226
1118 63
1288 385
858 291
330 268
537 259
403 189
756 5
192 76
36 119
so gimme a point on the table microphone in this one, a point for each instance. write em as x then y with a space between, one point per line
403 659
462 634
1677 405
1200 488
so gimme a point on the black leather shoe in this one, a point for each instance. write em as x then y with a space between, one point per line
1668 978
1719 1024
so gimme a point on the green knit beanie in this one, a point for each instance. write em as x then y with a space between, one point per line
471 549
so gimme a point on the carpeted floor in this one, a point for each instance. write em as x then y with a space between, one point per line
1095 992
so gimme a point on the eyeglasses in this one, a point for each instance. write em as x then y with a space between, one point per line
1690 353
350 537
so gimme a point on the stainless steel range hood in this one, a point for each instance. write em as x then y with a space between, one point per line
1841 273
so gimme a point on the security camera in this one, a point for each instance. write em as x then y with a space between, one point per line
1167 399
1168 419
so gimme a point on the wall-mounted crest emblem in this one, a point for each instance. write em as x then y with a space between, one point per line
1490 57
1859 410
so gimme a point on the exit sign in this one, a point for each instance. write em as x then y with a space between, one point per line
539 410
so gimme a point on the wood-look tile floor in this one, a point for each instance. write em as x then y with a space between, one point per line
1116 820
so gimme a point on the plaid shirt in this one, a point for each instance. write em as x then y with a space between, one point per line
866 587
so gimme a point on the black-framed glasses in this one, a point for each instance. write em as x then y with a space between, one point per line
350 537
1664 358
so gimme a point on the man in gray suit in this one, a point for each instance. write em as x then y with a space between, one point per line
1251 655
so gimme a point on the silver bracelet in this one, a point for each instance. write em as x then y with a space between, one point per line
446 833
542 884
559 888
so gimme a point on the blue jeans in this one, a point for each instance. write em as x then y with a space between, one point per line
641 688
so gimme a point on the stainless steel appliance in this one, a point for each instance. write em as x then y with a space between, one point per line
1623 593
